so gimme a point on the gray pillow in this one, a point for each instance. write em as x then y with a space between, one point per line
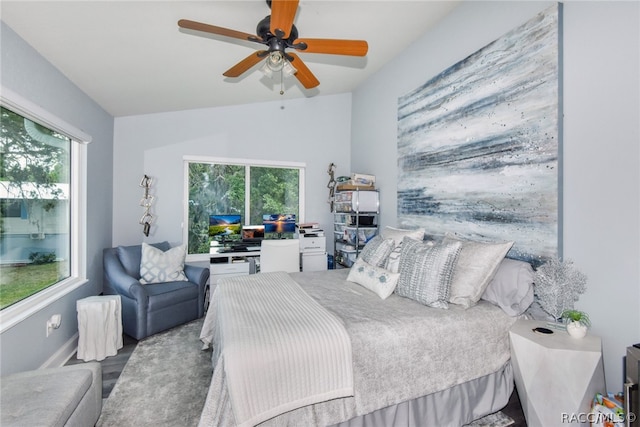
476 266
426 271
511 287
377 250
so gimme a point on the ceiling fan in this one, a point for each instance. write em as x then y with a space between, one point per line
278 33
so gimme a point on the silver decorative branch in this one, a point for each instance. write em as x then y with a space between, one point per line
558 285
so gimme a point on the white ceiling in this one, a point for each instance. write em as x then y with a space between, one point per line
131 57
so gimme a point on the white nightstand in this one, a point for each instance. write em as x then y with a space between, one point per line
556 376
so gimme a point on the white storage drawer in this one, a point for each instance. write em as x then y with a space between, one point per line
346 257
363 234
220 270
356 201
314 261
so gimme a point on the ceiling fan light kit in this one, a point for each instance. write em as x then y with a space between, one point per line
275 61
278 33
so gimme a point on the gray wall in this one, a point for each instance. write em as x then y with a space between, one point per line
601 142
315 131
25 346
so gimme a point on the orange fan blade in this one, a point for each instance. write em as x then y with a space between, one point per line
335 47
199 26
282 14
304 74
245 64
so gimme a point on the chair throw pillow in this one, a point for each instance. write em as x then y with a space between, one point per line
157 266
130 257
476 266
426 271
377 250
378 280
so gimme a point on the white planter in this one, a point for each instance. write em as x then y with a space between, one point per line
576 329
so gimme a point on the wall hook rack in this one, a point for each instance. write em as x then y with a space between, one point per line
331 185
145 202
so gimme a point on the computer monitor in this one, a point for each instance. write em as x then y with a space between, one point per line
225 228
252 233
279 225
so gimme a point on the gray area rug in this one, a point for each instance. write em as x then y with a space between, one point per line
166 379
164 383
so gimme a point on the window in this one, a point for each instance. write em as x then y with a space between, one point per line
234 187
41 182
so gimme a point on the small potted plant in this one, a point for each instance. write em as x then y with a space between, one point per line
577 322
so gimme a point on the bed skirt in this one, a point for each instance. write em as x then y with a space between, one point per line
455 406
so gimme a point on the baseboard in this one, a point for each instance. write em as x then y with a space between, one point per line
64 353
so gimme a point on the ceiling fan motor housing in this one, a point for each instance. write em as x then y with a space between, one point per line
264 32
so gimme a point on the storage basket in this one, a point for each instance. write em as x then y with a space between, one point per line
363 235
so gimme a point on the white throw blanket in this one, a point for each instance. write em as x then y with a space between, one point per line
280 349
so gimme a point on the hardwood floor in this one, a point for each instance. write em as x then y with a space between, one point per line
514 410
112 368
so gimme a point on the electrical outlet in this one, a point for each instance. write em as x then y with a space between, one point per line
53 323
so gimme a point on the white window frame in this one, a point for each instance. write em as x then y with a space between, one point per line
14 314
238 162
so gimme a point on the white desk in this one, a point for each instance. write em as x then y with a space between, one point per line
224 263
555 374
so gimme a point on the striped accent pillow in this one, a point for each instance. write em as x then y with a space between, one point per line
426 271
377 250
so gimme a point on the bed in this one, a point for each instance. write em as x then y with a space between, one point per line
395 361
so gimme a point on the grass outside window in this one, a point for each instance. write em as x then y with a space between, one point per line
18 282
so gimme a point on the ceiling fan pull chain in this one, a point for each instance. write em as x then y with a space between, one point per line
281 82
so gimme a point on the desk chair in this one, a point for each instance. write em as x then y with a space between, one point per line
280 255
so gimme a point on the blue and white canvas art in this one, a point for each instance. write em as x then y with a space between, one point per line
478 144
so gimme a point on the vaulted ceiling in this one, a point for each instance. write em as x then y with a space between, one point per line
132 58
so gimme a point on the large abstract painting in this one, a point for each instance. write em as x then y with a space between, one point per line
478 144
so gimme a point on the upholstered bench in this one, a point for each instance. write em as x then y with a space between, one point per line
66 396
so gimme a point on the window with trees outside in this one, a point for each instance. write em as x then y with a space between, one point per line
38 188
248 189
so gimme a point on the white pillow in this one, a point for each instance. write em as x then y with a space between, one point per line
476 266
157 266
397 234
377 280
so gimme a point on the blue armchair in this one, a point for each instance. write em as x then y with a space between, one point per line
149 309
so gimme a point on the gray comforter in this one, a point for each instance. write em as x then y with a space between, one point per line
401 350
